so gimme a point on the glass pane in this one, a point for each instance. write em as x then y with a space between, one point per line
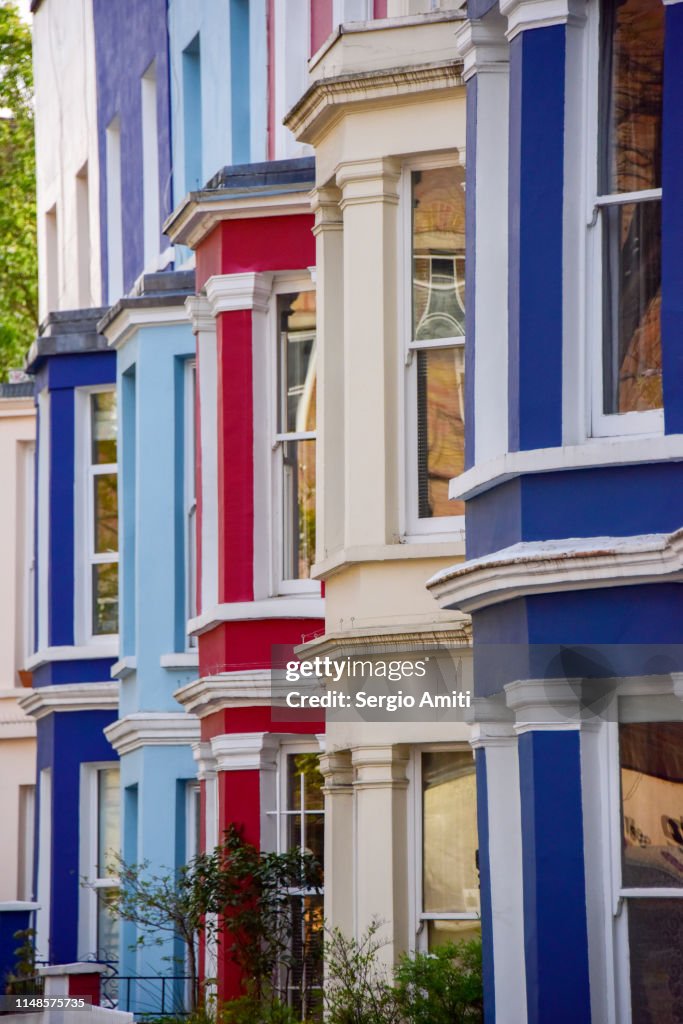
450 881
441 428
107 928
304 978
441 932
105 598
297 362
651 760
438 204
106 524
304 770
633 50
632 274
108 819
655 934
298 486
103 420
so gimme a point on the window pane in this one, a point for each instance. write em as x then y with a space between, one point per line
107 928
304 979
108 819
303 771
651 759
105 598
105 502
103 418
441 428
297 362
655 933
633 48
441 932
632 243
450 881
298 485
438 205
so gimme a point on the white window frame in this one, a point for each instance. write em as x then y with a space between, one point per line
283 285
85 557
413 528
192 819
43 520
150 168
27 454
419 916
114 210
649 422
190 499
88 854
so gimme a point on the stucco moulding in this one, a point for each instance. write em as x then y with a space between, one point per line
152 729
537 567
46 700
211 694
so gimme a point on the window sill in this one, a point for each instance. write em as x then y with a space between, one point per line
180 660
593 454
270 608
86 652
413 547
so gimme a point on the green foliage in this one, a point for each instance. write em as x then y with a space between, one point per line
444 987
25 966
18 256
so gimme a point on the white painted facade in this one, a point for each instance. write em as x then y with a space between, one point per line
66 156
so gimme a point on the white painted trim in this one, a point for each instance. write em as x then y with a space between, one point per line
245 751
84 652
228 292
47 700
43 521
206 762
114 210
69 969
190 518
130 319
44 866
201 212
26 554
209 694
483 48
204 325
10 906
536 567
124 667
271 608
152 729
291 35
198 310
530 14
150 166
602 452
182 659
88 841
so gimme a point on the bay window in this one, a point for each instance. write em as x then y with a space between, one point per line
190 416
628 364
447 875
100 826
99 511
296 433
436 344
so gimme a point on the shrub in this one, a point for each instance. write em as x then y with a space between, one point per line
444 987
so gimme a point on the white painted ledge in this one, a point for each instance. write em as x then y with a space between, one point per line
179 660
86 652
270 608
152 729
44 700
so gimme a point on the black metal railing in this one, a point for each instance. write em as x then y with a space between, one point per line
147 996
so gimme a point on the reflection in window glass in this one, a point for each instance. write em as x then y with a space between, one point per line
655 932
630 161
105 598
108 843
450 880
297 424
106 516
441 428
103 427
651 756
438 333
103 527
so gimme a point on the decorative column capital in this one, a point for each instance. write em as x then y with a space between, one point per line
206 762
325 203
380 767
369 181
229 292
199 312
483 46
245 751
493 723
556 705
529 14
337 770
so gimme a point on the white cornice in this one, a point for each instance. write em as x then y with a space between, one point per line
206 762
131 319
89 652
270 608
201 212
629 451
538 567
123 668
228 292
206 696
368 181
545 704
152 729
199 313
483 47
240 751
45 700
530 14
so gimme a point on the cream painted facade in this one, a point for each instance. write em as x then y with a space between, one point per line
17 730
383 97
66 156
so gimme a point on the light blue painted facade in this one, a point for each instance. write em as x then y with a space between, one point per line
157 764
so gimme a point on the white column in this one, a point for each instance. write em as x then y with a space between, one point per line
337 770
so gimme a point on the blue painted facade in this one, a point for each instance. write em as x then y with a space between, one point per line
154 389
570 638
130 37
77 704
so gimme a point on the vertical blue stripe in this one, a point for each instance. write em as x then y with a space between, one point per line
470 268
555 929
61 519
485 889
537 86
672 222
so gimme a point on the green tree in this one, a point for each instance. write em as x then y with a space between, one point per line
18 256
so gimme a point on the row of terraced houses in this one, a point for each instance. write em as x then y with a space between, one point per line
361 339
